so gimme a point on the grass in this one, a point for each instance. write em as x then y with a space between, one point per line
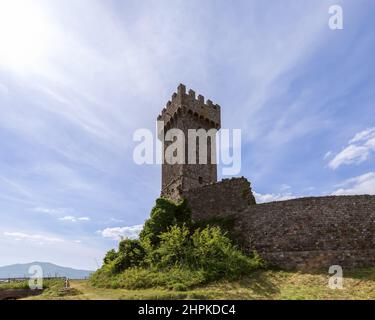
262 284
24 284
14 285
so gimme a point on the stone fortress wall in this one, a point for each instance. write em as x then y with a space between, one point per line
305 233
312 233
220 199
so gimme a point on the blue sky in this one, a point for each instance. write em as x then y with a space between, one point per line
77 78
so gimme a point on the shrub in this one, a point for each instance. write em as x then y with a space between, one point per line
174 253
174 248
130 254
110 256
214 252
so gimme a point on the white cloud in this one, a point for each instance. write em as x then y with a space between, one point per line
31 237
350 155
74 219
29 245
364 184
263 198
116 220
84 219
122 232
328 155
363 135
51 211
64 213
358 151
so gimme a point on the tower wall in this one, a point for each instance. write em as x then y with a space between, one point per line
186 111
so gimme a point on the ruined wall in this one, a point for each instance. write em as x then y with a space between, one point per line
312 233
220 199
304 234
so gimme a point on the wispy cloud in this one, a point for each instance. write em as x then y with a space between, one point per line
74 219
116 220
121 232
51 211
358 150
31 237
62 214
39 246
364 136
264 198
363 184
13 186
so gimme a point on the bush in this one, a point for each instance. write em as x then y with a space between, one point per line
130 254
208 249
110 256
174 248
214 252
172 252
141 278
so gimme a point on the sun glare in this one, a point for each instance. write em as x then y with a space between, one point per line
23 34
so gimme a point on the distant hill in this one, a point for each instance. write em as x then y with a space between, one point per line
49 270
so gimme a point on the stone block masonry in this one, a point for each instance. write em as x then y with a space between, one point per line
304 234
312 233
220 199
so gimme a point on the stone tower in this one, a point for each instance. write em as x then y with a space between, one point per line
186 111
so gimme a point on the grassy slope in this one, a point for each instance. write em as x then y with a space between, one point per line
359 284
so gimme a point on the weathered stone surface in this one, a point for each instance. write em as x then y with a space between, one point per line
311 233
220 199
304 234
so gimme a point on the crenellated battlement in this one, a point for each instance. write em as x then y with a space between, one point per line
187 103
